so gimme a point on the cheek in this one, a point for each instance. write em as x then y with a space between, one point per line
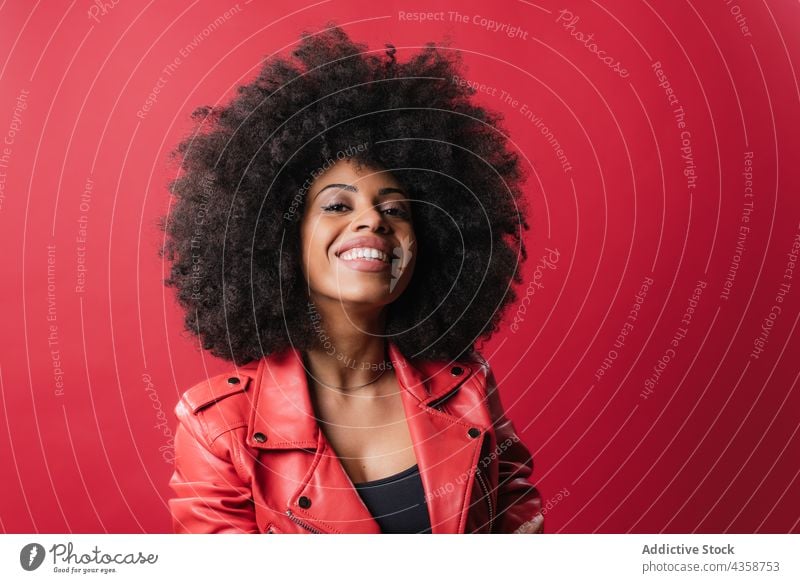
313 247
307 255
409 244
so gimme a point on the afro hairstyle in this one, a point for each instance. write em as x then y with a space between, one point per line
232 233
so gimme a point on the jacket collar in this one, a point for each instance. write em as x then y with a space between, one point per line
446 446
283 411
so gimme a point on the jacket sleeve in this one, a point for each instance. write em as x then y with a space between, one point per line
211 496
518 500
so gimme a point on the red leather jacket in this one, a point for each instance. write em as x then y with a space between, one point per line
250 456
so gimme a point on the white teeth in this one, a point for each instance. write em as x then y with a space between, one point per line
365 253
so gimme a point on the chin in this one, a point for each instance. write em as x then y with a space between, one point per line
362 298
363 289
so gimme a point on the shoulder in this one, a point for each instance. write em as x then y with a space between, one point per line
464 379
477 381
478 368
472 361
217 404
476 359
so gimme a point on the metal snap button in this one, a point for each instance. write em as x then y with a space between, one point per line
304 502
456 370
473 432
260 437
233 381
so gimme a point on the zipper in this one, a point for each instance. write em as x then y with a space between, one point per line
305 525
485 489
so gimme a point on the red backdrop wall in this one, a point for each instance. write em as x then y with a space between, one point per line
651 363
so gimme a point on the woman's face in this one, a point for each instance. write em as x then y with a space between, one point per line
357 236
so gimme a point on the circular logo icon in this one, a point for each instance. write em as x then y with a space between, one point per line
31 556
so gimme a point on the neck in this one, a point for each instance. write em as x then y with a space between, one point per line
350 349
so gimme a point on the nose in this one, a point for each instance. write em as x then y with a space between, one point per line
372 218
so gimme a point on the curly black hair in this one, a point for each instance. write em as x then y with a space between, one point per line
232 235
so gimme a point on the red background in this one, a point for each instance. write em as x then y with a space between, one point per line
713 447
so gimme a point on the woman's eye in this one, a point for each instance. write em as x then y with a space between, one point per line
396 211
391 211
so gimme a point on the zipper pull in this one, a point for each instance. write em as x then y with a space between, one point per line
305 525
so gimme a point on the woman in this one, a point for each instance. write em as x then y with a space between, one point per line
344 231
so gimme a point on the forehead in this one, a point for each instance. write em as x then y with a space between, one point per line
350 172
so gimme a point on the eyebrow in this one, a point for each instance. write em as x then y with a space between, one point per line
351 188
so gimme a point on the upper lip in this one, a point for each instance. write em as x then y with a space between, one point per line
366 241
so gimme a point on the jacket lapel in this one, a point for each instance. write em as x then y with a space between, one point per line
446 449
282 418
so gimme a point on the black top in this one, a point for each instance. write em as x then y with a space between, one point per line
397 502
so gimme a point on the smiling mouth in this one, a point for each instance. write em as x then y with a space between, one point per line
366 254
368 259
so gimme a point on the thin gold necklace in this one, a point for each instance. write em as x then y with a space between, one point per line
385 368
